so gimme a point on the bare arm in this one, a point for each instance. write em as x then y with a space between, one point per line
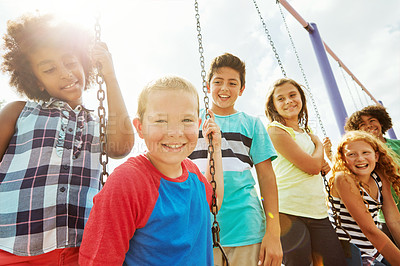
210 127
120 136
390 211
346 187
285 145
271 249
8 118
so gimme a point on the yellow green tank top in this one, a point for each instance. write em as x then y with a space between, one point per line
299 193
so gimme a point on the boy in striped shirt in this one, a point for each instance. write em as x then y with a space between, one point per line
250 233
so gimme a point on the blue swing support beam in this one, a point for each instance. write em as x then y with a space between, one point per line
321 49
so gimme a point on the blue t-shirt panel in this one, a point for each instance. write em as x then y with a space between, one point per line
179 210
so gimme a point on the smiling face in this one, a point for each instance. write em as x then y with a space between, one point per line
287 101
225 88
371 125
60 73
170 128
360 158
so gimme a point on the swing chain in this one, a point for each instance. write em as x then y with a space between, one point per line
215 229
307 86
270 39
214 207
101 110
347 86
358 92
202 64
335 216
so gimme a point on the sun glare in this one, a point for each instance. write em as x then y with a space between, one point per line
80 12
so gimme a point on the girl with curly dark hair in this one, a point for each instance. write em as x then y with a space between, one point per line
50 144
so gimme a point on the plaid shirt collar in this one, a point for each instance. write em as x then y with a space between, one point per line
54 102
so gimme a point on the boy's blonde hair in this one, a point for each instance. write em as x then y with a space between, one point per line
386 162
171 83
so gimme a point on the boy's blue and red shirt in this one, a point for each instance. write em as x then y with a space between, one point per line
142 217
49 175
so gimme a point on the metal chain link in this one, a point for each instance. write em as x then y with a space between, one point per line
214 208
307 86
359 96
348 87
202 64
101 95
336 217
364 93
270 39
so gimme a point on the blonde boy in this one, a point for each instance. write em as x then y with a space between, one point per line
155 208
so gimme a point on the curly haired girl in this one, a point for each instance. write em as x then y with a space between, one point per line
362 175
50 144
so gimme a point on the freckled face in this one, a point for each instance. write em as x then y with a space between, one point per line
360 158
60 73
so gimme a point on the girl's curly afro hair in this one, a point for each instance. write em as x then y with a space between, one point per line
30 32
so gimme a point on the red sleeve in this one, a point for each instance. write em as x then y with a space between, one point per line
124 204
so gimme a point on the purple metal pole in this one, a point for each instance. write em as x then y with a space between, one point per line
309 28
391 133
329 79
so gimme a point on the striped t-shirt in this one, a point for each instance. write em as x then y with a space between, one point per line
49 175
245 143
350 225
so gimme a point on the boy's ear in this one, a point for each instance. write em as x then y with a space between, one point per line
139 127
199 122
241 91
208 87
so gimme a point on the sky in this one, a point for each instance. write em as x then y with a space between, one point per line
152 38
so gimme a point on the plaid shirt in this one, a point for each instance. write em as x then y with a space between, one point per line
49 175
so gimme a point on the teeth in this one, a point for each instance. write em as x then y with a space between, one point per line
361 165
373 131
69 86
224 96
173 146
